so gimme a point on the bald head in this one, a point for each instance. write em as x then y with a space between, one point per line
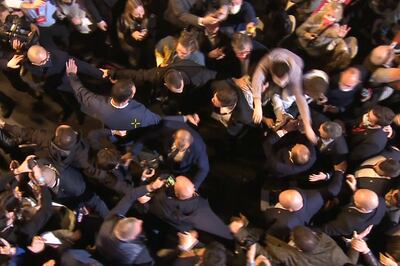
291 200
37 54
300 154
49 175
182 139
65 137
381 55
366 200
127 229
184 188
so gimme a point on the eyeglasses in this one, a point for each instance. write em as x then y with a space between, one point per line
44 61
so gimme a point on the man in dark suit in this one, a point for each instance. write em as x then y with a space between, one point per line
181 207
120 239
287 156
297 207
182 148
48 68
233 110
369 138
184 81
367 209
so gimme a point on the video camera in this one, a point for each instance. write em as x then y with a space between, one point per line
19 28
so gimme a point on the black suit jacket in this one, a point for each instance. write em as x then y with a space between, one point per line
280 222
277 154
350 220
187 214
366 144
53 72
195 161
242 115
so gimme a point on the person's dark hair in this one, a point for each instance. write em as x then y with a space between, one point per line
122 91
304 238
241 41
226 95
314 86
384 114
279 68
173 78
215 255
332 129
276 5
188 39
390 167
107 159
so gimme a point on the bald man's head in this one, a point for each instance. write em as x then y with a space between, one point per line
382 55
127 229
300 154
37 55
291 200
184 188
182 139
366 200
65 137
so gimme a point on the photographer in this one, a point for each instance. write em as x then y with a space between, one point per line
181 207
22 223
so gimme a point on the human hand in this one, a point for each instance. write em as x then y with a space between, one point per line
144 199
193 119
187 240
209 20
37 244
76 21
330 109
317 177
148 173
217 53
102 25
251 29
243 83
71 67
23 168
138 35
262 259
388 130
7 249
158 183
343 30
352 182
106 72
257 114
387 260
269 122
120 133
15 61
360 245
17 44
127 158
363 234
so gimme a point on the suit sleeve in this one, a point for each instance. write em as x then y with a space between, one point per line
91 7
203 168
40 218
88 69
140 76
365 150
87 99
126 202
40 137
183 14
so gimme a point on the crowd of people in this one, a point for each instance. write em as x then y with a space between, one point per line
157 96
